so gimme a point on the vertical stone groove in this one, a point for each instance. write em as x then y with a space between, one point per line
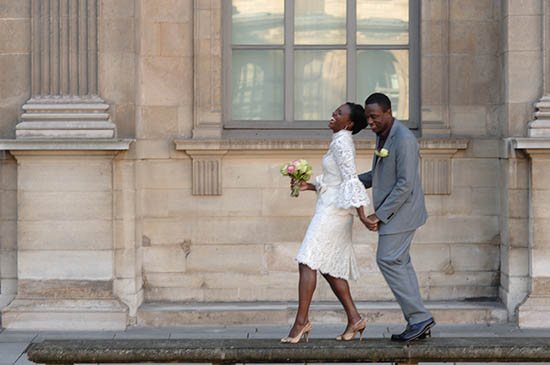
82 47
45 47
92 47
64 47
35 59
54 43
73 47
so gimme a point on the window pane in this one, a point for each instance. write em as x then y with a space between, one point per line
320 83
258 21
382 22
386 72
320 21
257 85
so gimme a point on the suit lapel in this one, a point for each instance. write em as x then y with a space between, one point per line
388 143
375 158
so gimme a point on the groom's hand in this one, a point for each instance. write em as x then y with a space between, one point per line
372 222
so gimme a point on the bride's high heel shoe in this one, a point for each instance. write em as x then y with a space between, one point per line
305 331
359 326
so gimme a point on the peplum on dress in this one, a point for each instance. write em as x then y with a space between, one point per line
327 245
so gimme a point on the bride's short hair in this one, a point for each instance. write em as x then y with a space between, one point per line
357 116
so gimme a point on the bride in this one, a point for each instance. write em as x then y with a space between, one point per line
327 245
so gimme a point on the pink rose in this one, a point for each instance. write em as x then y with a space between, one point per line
290 169
295 161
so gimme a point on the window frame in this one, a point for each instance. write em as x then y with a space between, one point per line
351 48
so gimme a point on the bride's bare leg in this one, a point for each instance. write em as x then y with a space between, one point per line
306 287
340 288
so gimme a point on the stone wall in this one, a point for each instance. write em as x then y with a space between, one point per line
15 79
159 69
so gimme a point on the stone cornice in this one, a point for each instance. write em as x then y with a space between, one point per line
444 144
66 144
531 143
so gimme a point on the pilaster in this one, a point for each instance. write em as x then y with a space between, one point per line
64 99
66 258
535 311
207 43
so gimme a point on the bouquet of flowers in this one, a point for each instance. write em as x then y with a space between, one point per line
298 170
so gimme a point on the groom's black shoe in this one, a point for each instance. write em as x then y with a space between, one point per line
415 331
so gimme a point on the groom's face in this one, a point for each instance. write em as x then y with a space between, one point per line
378 119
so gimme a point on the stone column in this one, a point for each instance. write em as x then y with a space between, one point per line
535 311
73 270
64 99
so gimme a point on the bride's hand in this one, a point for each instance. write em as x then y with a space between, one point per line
303 185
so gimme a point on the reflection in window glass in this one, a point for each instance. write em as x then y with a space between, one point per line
320 21
258 21
258 85
385 71
382 22
320 83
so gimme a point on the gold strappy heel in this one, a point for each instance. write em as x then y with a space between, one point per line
305 331
350 335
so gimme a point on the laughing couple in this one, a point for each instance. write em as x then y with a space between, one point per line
398 211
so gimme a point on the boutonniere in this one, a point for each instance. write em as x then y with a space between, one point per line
382 153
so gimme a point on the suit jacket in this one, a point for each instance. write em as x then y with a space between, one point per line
396 185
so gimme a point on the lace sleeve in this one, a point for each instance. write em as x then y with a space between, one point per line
352 192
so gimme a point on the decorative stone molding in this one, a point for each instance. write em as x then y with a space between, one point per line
436 165
436 173
540 127
207 109
207 156
66 145
64 99
207 171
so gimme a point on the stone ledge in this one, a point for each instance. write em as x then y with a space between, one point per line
65 144
471 349
448 144
528 143
240 313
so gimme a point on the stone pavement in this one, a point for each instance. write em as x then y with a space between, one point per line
13 344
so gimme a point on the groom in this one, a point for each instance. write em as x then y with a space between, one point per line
399 211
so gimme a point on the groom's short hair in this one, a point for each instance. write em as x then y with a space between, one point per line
380 99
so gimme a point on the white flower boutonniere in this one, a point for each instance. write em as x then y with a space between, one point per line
382 153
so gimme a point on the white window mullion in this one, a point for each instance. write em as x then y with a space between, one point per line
351 46
289 60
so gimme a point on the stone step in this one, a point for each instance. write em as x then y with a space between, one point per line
264 313
65 314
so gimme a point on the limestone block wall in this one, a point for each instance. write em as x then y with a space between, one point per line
460 67
15 61
8 225
117 61
240 246
15 80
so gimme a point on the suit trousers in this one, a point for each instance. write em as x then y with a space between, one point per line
394 261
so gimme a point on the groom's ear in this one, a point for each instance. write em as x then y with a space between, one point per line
351 124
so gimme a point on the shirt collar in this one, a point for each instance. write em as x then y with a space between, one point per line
340 133
386 132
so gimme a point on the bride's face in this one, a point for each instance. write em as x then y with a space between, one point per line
340 119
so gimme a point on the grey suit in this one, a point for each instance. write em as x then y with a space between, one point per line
399 204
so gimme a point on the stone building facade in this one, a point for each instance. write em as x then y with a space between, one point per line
128 195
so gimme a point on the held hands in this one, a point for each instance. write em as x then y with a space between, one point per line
371 222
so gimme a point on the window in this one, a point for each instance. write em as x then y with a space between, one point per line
289 64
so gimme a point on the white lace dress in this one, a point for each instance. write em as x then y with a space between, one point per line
327 245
